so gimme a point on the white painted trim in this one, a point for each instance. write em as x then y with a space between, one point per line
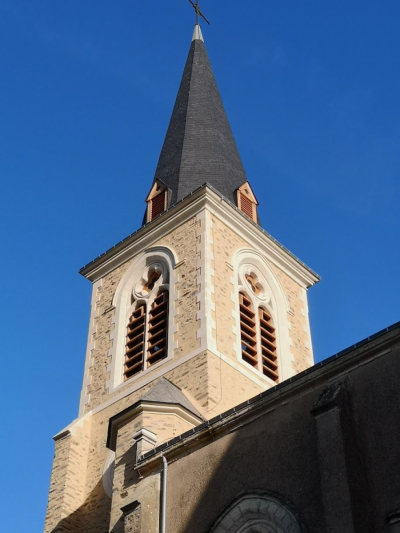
94 313
204 281
72 428
197 35
166 408
122 304
306 327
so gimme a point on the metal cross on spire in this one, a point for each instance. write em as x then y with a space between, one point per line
198 12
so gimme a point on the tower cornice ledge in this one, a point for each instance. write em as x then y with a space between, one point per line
205 197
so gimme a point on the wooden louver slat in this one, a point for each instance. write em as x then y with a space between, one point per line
246 206
158 329
158 204
248 331
134 354
268 345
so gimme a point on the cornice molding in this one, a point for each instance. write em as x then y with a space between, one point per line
204 198
140 407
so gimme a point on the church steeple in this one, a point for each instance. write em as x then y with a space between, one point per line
192 314
199 146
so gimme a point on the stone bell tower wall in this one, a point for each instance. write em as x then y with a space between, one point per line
183 242
207 256
225 245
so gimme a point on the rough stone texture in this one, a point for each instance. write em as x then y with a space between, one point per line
128 485
102 343
226 387
299 323
165 426
226 243
55 507
67 486
183 240
132 521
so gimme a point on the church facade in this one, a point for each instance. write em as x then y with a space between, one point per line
200 409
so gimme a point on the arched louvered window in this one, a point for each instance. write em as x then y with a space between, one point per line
135 342
257 335
248 331
268 345
158 329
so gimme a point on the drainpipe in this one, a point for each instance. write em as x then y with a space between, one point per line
163 495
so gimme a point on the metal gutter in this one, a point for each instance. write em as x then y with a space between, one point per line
235 410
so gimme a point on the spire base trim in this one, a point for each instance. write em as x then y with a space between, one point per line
197 34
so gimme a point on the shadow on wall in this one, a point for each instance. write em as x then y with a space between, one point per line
91 517
127 463
273 456
94 515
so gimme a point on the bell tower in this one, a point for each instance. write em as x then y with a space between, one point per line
197 311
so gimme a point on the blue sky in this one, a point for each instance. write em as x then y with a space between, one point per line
312 93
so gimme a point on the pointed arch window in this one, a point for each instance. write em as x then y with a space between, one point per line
268 345
135 342
158 329
257 332
248 331
147 330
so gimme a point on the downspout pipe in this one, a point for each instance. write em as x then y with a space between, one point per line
163 513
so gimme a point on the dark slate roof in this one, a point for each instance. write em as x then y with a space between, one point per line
165 392
199 145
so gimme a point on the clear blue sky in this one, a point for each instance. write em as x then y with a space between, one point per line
312 92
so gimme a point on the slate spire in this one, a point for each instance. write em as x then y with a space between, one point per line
199 146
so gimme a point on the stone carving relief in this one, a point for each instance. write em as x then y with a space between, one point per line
152 276
257 514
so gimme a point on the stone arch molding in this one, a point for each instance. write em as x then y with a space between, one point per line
163 259
273 297
244 259
257 514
